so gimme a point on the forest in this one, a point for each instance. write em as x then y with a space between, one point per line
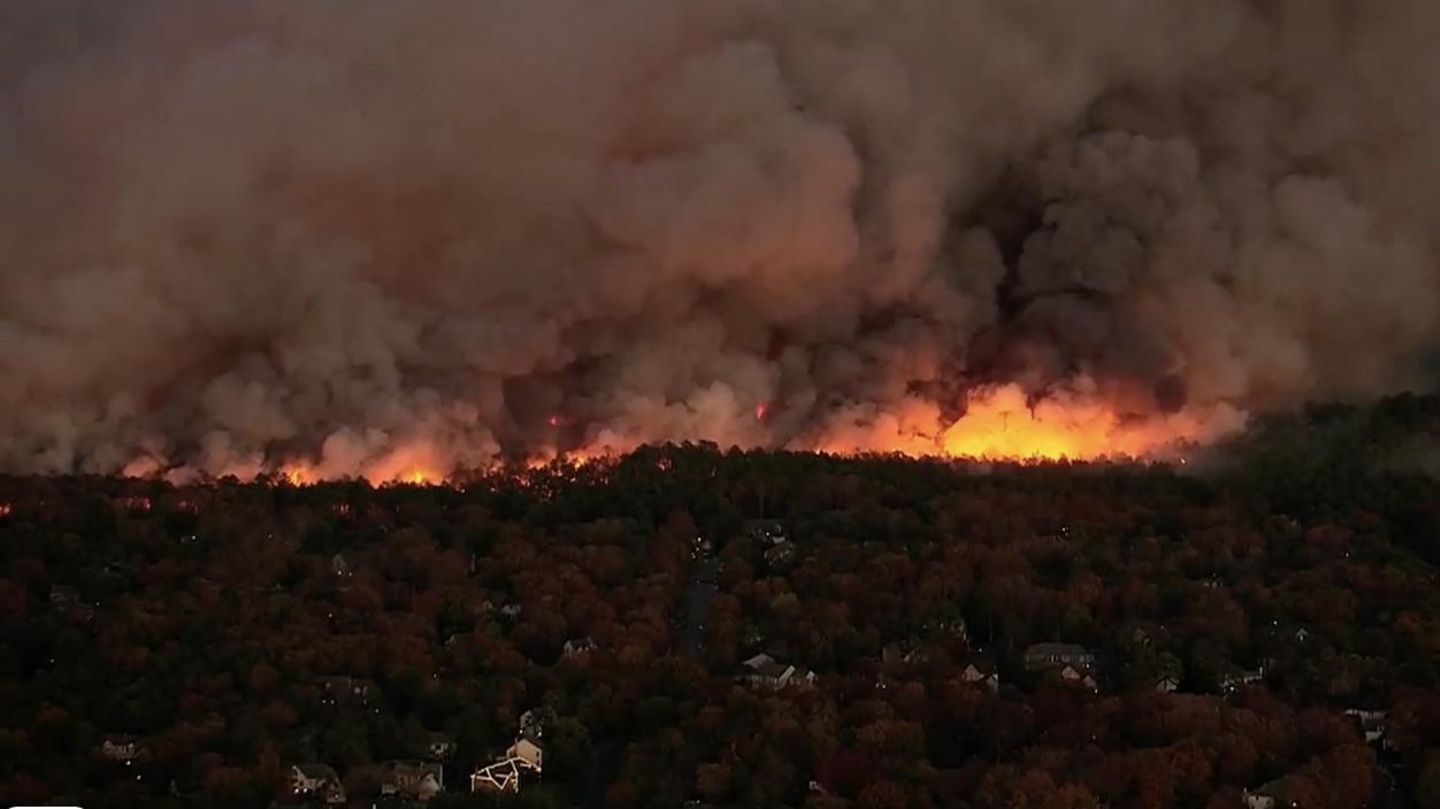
690 626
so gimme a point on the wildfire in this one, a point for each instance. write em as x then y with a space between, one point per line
298 474
1001 425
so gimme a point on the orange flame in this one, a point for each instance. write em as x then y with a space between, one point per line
299 473
1000 424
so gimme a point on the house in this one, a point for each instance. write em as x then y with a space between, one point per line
752 637
764 671
511 611
1167 684
779 554
767 533
534 721
529 752
412 780
340 567
439 746
64 598
981 671
1077 676
348 691
1372 724
1055 656
504 775
908 652
1235 680
578 647
317 781
1269 796
122 748
67 601
135 504
951 627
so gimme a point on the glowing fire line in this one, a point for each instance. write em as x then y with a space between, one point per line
1000 424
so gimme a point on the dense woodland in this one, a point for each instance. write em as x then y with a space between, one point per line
201 623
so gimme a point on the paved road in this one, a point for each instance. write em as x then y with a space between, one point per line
697 608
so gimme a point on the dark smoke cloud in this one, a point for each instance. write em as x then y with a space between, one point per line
381 234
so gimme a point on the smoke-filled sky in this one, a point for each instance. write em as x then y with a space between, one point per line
235 234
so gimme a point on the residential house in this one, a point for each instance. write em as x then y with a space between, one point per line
529 752
340 567
764 671
136 504
534 721
1067 661
779 554
1234 680
1077 676
411 780
122 748
1053 656
501 776
909 652
767 533
1372 724
1167 684
440 746
953 627
64 598
980 670
1269 796
67 601
504 774
348 691
578 647
317 781
511 610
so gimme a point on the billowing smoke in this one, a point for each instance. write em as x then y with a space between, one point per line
378 235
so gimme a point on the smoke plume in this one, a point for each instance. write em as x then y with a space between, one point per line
377 236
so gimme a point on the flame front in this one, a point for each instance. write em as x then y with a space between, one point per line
1001 425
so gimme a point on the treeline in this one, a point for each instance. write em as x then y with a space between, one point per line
1233 619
